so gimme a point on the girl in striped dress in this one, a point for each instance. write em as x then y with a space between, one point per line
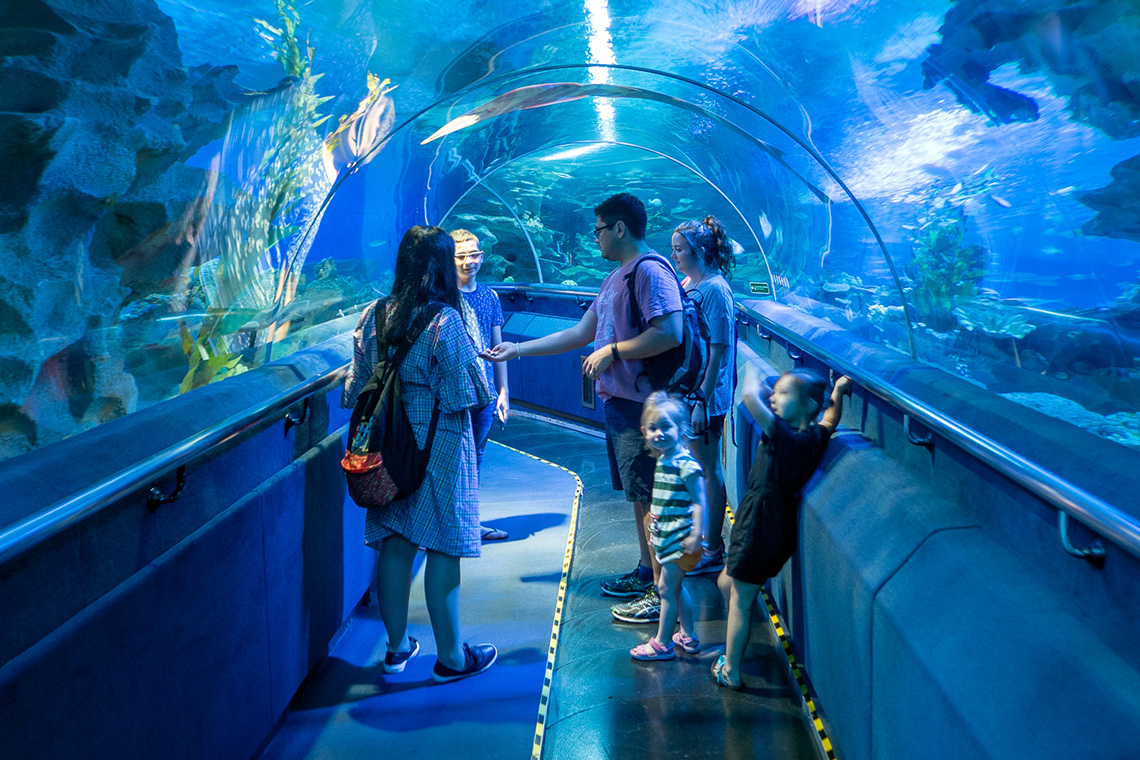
674 525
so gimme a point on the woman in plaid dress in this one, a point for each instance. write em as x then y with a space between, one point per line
442 516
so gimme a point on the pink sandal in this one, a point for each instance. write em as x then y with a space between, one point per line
688 644
651 650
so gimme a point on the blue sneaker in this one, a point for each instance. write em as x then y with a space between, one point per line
628 585
709 563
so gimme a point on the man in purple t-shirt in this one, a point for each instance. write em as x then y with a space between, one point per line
616 360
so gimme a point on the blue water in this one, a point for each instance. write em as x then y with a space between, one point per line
830 137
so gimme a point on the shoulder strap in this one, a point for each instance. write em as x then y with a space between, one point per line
635 317
418 325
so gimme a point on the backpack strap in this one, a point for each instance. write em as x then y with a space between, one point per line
417 326
636 319
415 329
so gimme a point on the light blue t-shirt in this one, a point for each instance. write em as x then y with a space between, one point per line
715 298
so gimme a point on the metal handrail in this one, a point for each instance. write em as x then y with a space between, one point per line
1114 525
546 290
1100 516
19 537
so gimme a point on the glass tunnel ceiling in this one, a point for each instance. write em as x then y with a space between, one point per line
954 180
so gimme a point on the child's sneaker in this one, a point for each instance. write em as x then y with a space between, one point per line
688 644
629 584
645 609
651 650
709 563
394 662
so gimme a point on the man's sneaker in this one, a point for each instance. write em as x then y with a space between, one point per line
476 660
628 585
644 609
394 662
709 563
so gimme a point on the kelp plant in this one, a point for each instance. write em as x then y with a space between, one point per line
945 269
254 271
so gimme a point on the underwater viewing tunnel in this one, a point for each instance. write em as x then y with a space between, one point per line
938 199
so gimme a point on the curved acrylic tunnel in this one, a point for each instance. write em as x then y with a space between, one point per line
940 194
949 180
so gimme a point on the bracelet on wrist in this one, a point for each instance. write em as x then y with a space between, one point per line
614 352
518 350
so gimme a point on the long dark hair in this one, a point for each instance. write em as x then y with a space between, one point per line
425 272
710 243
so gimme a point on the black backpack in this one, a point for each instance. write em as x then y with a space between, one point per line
383 463
680 369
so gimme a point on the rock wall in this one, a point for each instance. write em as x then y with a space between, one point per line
1087 52
97 116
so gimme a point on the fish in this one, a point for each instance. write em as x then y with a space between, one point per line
377 243
562 175
937 171
521 98
654 201
765 224
1025 277
1001 201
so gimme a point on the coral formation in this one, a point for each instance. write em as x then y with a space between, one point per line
1122 427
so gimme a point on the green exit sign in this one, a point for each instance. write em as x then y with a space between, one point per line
759 288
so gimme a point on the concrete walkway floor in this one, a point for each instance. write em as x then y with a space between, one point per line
601 703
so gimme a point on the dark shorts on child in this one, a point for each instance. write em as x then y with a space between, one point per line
763 536
631 466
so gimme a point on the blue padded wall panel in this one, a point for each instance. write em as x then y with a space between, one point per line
976 656
170 664
229 621
85 562
856 531
316 564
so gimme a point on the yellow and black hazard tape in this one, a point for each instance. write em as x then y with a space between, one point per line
809 702
807 698
552 650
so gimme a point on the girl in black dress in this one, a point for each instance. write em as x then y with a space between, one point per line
764 533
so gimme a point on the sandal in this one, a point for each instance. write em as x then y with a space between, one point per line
722 679
651 650
487 533
688 644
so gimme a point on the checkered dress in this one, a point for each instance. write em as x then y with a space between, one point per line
443 515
